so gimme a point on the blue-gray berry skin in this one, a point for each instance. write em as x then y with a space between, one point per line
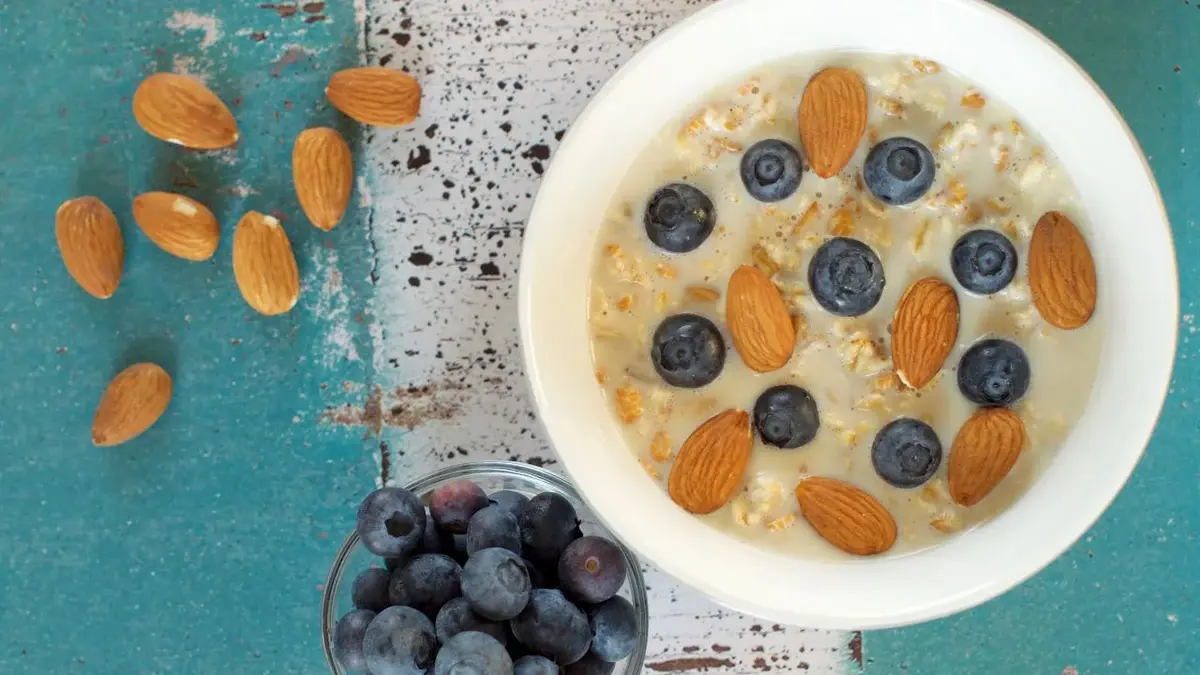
548 523
983 261
679 218
426 582
399 641
457 616
846 277
510 500
687 351
899 170
473 653
496 583
348 640
552 626
591 569
370 589
771 170
453 504
534 665
614 629
786 416
493 527
590 664
391 522
993 372
906 452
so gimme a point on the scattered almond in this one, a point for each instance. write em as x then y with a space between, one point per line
1062 274
264 265
711 463
846 516
833 116
984 451
179 225
924 330
323 173
133 401
375 95
181 110
90 242
758 319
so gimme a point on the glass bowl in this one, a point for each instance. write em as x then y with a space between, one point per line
491 476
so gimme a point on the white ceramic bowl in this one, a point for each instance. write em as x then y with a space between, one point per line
1130 240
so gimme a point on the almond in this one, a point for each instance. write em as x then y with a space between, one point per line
846 516
759 322
263 264
984 451
90 242
179 225
323 172
711 463
924 330
133 401
833 116
1062 274
181 110
374 95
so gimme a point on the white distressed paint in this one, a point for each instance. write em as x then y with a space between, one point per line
325 296
185 21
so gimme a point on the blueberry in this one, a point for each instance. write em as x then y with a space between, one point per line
553 627
432 542
391 522
846 277
544 575
899 170
786 416
457 616
687 351
591 569
454 503
496 584
510 501
348 639
906 452
473 653
771 170
993 372
614 629
679 218
548 523
984 261
399 641
493 527
590 664
370 589
534 665
426 582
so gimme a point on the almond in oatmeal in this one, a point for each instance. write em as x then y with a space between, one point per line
629 403
972 99
661 448
702 293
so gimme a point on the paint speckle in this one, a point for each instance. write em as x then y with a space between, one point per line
418 158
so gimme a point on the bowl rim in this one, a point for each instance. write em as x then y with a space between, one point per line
1064 537
636 580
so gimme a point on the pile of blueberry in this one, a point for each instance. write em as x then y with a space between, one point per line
484 585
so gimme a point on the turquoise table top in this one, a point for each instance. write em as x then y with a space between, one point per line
202 546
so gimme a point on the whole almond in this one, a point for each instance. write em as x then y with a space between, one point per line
323 172
374 95
263 264
984 451
133 401
91 245
179 225
833 116
924 329
846 516
181 110
1062 274
711 463
758 318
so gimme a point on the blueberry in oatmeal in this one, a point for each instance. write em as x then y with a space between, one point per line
454 503
688 351
496 583
473 653
592 569
426 582
552 626
391 522
906 453
984 261
614 628
348 639
899 170
399 641
679 218
993 372
771 170
786 416
846 277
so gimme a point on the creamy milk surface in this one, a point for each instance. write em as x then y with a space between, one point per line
992 172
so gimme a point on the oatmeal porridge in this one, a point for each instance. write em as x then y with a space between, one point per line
854 273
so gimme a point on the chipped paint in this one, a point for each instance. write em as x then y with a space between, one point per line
210 26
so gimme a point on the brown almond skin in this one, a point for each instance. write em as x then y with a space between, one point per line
924 330
323 173
984 451
711 464
833 117
178 224
846 515
181 110
131 404
375 95
1062 274
759 323
91 245
264 265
